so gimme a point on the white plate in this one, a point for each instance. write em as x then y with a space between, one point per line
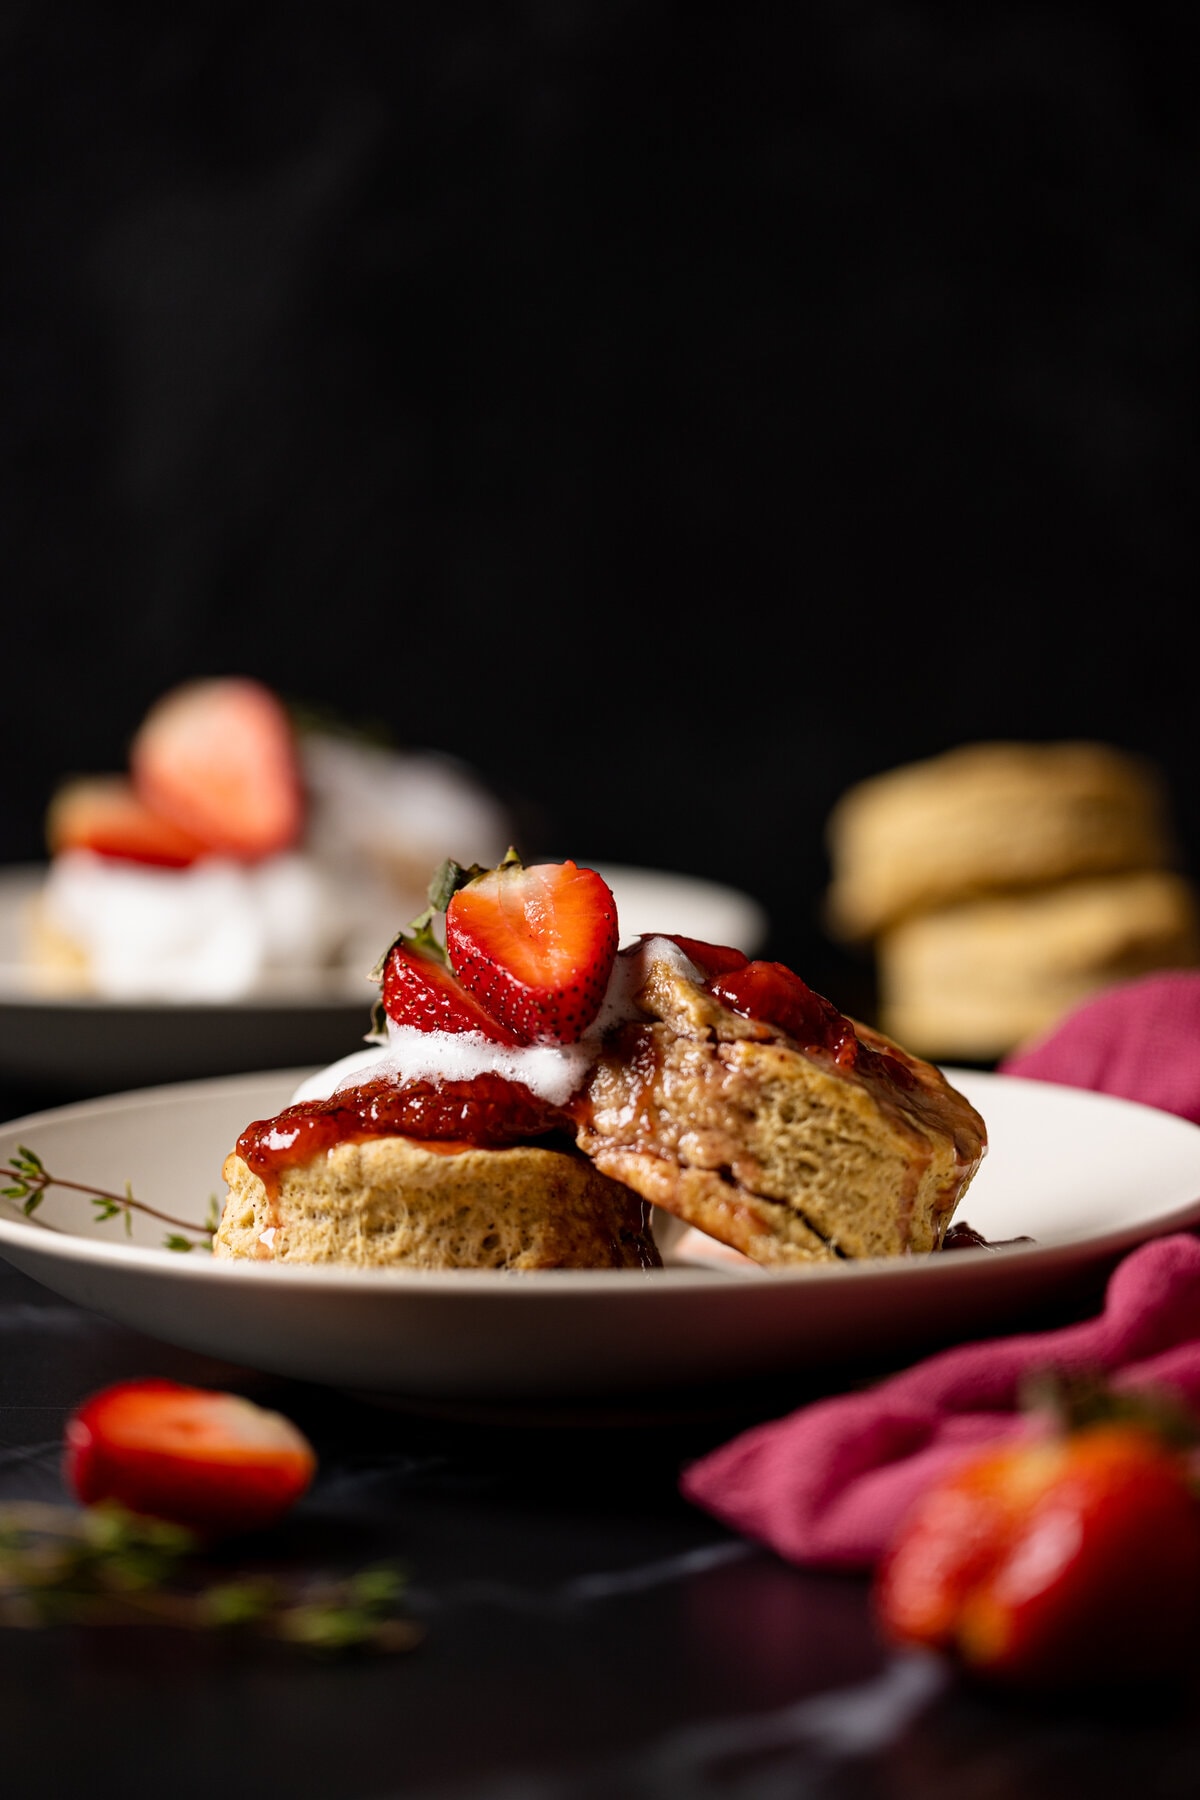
1086 1175
75 1043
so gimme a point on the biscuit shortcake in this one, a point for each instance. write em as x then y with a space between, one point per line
239 852
986 818
397 1202
183 877
973 980
747 1106
535 1090
453 1149
1000 884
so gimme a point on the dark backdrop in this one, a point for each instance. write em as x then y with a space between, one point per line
678 411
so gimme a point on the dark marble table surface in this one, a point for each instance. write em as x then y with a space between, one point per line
586 1632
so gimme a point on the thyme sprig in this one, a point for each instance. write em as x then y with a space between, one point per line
102 1565
29 1180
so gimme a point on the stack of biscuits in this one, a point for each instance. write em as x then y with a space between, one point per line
1000 884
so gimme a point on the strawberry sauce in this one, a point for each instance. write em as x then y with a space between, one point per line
774 995
962 1236
487 1111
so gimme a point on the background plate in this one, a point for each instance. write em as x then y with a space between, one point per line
1084 1174
75 1044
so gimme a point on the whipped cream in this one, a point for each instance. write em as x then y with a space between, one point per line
551 1071
213 931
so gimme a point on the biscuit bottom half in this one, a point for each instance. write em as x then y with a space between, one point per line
396 1202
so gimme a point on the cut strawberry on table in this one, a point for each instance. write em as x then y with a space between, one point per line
106 815
219 758
535 945
420 989
198 1457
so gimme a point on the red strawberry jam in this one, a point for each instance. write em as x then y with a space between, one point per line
709 959
485 1111
775 996
771 993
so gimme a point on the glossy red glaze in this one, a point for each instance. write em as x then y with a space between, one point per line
774 994
709 959
487 1111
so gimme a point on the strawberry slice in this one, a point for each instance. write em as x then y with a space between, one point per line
535 945
104 814
219 758
419 988
211 1461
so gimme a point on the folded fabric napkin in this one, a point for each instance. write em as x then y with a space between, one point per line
1139 1040
826 1486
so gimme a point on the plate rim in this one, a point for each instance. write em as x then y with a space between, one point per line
965 1264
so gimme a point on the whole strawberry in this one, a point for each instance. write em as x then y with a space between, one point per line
1060 1562
534 945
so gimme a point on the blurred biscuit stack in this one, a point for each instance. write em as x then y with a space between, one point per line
1000 884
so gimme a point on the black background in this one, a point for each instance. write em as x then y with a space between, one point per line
678 412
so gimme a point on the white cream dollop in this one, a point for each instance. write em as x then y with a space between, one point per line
212 931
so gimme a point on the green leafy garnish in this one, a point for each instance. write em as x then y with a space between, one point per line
102 1565
29 1180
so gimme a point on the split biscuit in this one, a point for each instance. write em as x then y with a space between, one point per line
777 1151
395 1202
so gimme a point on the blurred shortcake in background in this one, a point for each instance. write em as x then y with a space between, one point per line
243 849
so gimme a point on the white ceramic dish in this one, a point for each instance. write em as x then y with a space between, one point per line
1085 1175
72 1043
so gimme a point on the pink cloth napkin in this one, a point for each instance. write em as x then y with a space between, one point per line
826 1486
1140 1041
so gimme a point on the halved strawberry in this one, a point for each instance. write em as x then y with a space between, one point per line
535 945
419 988
104 814
219 758
211 1461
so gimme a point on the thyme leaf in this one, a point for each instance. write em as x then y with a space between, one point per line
29 1180
102 1565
